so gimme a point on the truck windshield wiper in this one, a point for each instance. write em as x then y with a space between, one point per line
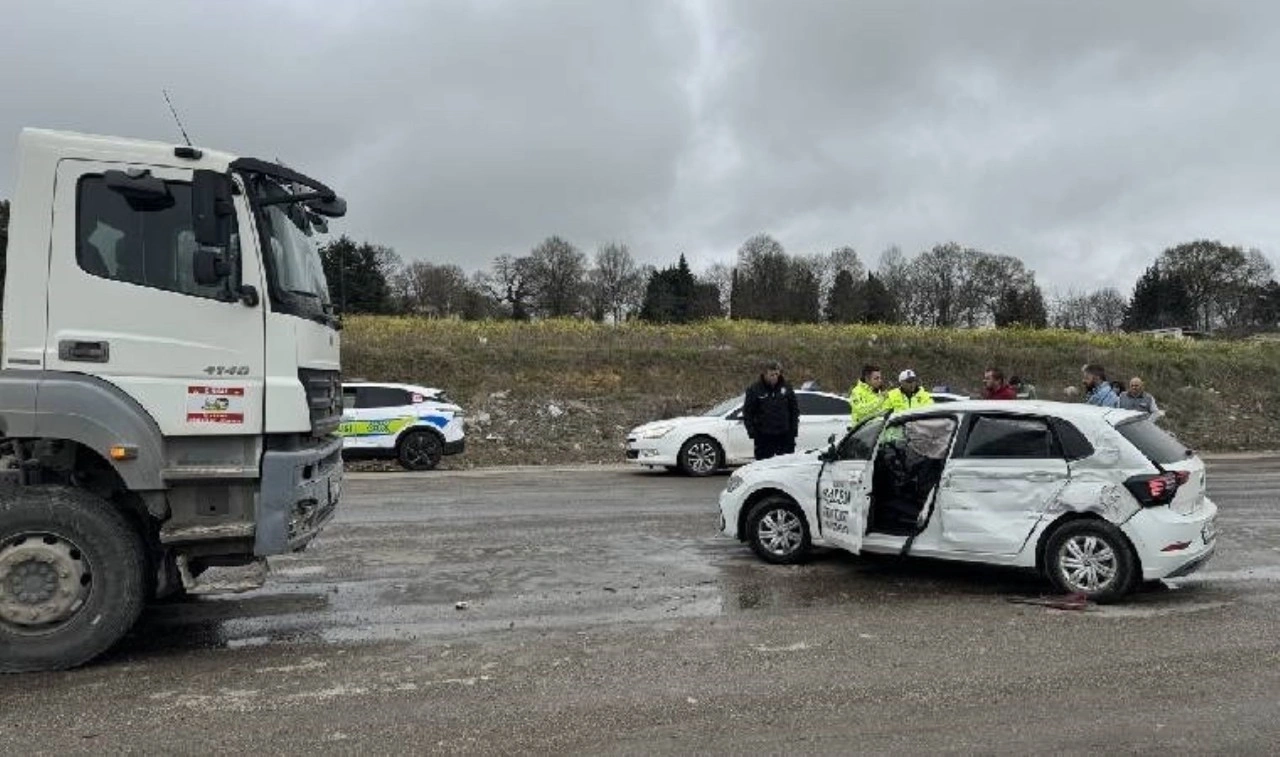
302 293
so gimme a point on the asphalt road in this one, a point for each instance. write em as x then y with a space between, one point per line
604 616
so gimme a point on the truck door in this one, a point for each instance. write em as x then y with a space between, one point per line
844 487
124 304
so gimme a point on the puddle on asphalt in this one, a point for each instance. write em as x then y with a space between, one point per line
298 606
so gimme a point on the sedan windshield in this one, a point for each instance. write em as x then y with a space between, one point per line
724 408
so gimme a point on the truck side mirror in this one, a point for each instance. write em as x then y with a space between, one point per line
211 207
211 266
139 186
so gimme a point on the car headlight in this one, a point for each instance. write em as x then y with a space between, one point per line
735 482
657 432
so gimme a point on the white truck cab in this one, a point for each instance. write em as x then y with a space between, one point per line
169 394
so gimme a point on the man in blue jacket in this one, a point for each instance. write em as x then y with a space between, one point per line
1098 391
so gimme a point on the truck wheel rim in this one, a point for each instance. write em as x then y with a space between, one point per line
1088 563
44 581
780 532
701 457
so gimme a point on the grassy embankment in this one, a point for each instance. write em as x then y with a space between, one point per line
560 392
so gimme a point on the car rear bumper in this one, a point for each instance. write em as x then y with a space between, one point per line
455 447
1171 545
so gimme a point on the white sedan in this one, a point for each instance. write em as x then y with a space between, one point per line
1096 499
700 445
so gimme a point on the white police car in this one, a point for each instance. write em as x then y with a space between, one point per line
1096 499
416 425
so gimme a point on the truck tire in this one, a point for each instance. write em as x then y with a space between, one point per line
72 577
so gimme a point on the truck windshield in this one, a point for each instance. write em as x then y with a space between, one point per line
295 267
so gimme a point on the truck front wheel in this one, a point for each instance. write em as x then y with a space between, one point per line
72 577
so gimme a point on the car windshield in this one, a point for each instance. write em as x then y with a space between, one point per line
291 245
724 408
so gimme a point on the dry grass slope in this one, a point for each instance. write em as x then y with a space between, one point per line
566 391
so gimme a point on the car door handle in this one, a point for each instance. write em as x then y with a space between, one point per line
75 351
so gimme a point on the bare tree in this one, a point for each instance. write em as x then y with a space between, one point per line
614 287
1071 310
720 275
430 289
511 284
1106 310
558 274
894 275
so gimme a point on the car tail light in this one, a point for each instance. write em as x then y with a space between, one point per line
1155 489
1183 477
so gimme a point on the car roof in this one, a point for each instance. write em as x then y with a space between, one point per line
1070 411
389 385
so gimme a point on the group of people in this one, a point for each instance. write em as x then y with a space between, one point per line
868 396
771 412
1099 391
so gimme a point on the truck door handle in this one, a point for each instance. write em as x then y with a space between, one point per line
74 351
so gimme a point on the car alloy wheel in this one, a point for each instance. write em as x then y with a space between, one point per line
780 532
700 457
1088 564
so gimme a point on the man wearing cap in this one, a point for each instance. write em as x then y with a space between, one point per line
908 394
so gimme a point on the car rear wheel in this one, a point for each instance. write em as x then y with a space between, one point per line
1091 558
777 531
420 450
701 456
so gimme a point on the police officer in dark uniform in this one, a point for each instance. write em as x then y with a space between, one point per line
771 413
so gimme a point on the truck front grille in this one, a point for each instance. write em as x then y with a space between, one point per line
324 399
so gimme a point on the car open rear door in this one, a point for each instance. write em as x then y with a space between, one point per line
844 488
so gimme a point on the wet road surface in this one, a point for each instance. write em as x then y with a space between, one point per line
604 615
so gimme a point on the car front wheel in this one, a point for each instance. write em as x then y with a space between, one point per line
701 456
1091 558
777 531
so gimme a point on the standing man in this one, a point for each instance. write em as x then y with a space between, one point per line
908 394
1022 389
1137 398
994 386
1097 390
867 396
771 413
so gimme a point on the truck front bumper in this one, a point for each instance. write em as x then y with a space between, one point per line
300 493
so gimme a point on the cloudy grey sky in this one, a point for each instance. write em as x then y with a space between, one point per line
1093 130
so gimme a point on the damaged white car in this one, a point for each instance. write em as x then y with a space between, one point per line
1096 499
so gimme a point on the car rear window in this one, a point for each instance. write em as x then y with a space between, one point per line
1157 444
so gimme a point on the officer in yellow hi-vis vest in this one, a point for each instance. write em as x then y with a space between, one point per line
909 394
867 397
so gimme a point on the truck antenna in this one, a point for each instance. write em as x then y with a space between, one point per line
181 128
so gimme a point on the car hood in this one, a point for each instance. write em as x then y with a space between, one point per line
774 464
686 420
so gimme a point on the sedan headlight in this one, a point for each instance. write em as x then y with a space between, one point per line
657 432
735 482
